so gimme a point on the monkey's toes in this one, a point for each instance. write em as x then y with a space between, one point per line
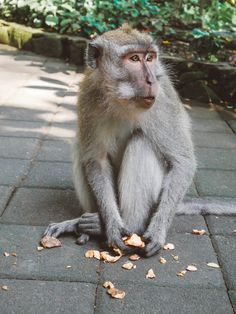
82 239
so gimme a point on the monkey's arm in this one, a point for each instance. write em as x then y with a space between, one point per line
99 176
175 143
175 185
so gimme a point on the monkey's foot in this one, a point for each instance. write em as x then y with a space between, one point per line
56 229
90 224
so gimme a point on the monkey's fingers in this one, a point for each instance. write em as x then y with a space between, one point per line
125 232
152 248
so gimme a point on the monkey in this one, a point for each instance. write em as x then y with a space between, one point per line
133 157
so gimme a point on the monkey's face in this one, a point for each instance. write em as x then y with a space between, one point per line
141 84
126 65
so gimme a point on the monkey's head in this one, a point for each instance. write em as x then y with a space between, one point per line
126 62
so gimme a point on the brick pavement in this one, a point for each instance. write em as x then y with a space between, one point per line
37 124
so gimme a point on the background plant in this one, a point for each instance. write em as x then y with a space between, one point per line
209 25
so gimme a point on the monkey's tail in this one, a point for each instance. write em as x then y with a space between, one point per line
207 206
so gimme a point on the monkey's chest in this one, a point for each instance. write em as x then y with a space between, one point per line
117 147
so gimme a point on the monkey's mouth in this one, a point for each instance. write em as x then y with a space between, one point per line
148 101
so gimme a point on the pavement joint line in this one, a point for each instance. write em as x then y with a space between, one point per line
44 160
100 283
215 147
45 225
215 132
10 196
196 187
45 187
230 127
22 277
214 245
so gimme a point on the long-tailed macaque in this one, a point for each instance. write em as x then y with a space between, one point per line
133 157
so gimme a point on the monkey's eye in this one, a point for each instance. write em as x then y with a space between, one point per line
135 58
149 58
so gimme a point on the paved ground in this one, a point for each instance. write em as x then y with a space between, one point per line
37 123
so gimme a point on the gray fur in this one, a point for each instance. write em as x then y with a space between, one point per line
132 167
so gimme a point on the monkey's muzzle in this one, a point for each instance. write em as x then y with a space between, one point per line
148 101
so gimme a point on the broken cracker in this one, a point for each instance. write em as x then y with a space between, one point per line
115 293
175 257
198 232
134 257
89 254
50 242
96 254
134 240
162 260
40 248
150 274
181 273
108 285
105 256
5 288
169 246
191 268
213 265
6 254
128 265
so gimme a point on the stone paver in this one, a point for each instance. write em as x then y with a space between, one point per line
56 151
215 140
226 248
12 147
210 126
216 158
216 182
22 128
46 264
186 223
161 300
37 125
30 296
11 170
203 113
221 224
62 130
50 174
41 206
43 113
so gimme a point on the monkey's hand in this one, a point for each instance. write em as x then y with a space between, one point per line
115 231
154 237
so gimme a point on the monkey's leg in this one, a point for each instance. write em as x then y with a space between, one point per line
140 182
86 200
86 203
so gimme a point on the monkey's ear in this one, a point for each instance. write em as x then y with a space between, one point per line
93 53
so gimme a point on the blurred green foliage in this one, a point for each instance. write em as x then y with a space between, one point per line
91 17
